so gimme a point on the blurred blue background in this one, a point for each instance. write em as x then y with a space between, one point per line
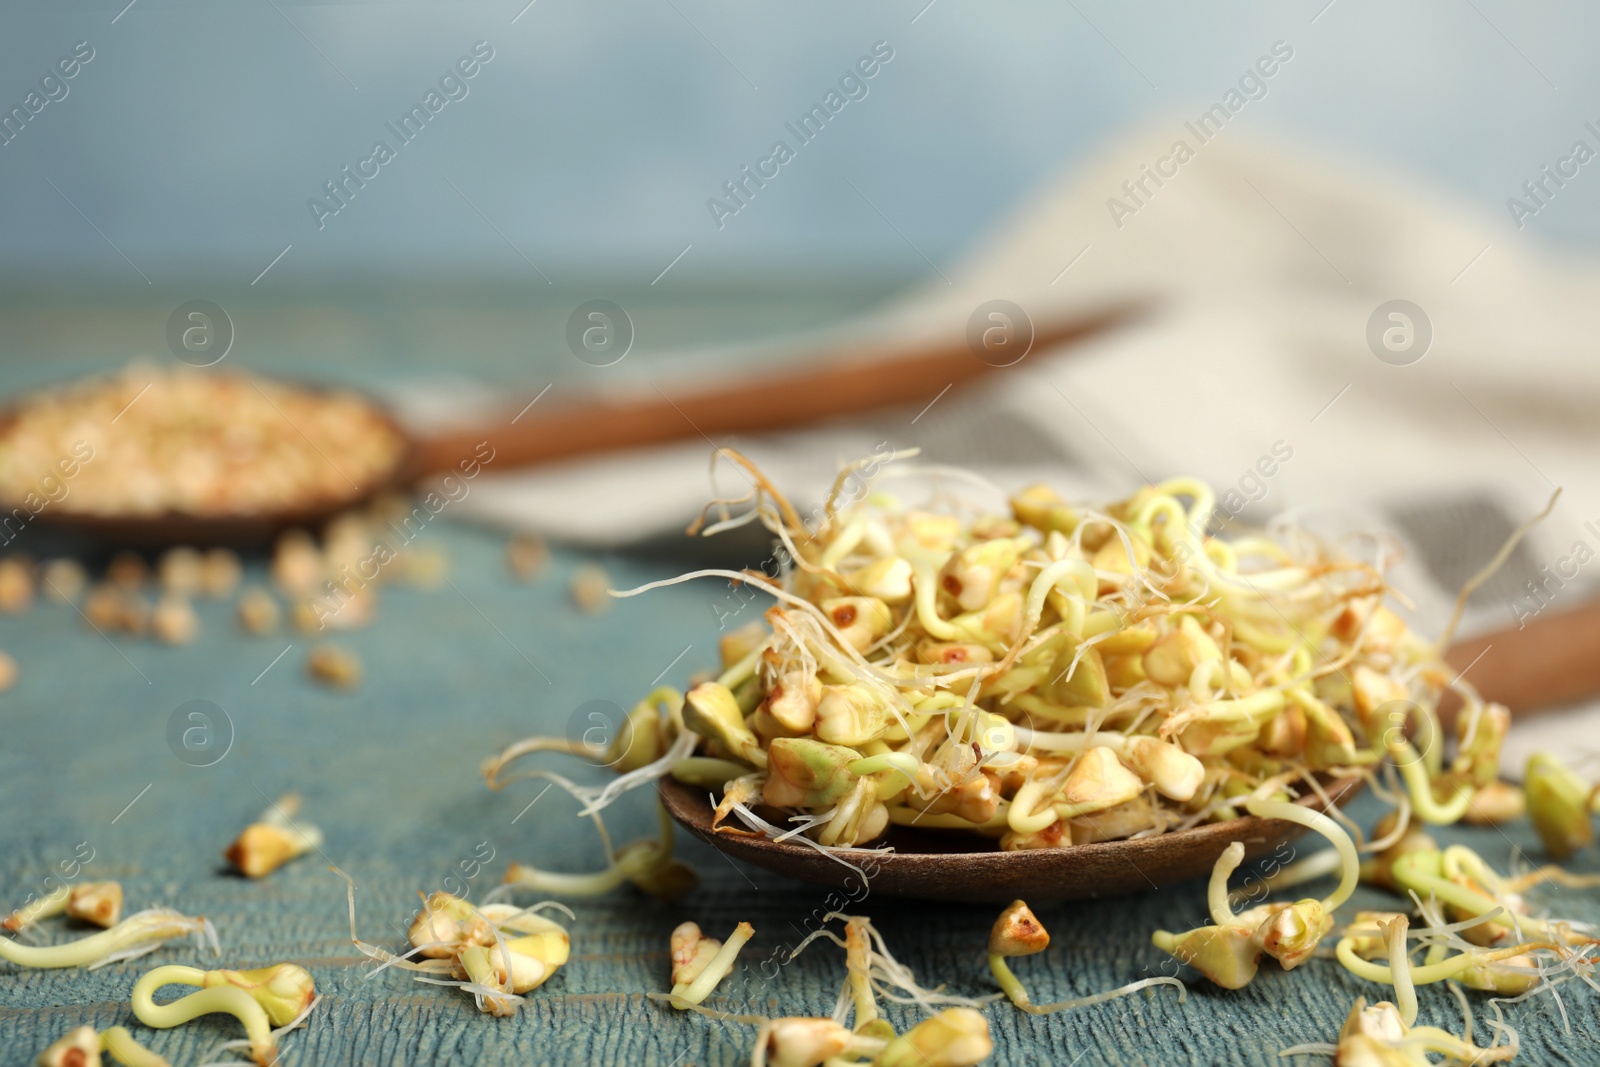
590 143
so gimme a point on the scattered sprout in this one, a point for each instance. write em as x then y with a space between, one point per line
588 587
64 580
1377 1036
700 962
1228 955
649 865
871 970
16 585
297 566
1229 950
1496 803
182 571
527 557
79 1048
258 612
284 990
799 1042
82 1048
335 666
99 903
53 903
128 571
273 840
1474 892
220 572
268 1001
1018 932
1386 1033
497 953
1560 804
137 935
955 1037
173 621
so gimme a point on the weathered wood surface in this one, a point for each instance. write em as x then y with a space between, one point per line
390 773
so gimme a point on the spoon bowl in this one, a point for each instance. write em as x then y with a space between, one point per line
160 529
932 865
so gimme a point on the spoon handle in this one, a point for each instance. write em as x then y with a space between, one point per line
824 384
1550 660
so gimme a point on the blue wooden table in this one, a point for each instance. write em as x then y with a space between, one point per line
389 771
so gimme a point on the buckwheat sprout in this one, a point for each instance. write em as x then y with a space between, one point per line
122 1047
1018 932
44 907
495 764
868 959
707 772
694 989
778 593
797 1042
99 903
1427 974
1350 872
277 1034
1309 1048
1405 990
647 864
440 964
1378 1035
1415 774
643 739
225 999
1217 901
82 1047
1423 872
598 799
472 946
137 935
832 852
273 839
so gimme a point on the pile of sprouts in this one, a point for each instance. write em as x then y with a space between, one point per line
1049 676
1057 675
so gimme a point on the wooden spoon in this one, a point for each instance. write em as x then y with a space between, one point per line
929 865
1551 661
823 384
